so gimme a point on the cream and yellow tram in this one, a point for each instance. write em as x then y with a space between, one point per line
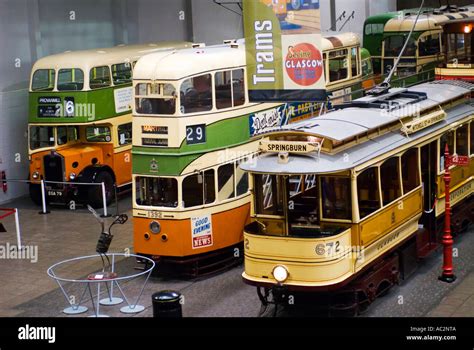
192 126
336 198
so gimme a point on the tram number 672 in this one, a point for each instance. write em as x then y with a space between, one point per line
195 134
328 249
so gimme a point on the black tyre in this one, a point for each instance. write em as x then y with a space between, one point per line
35 194
94 194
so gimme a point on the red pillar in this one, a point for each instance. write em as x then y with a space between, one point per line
448 274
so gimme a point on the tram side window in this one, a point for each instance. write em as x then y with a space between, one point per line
122 73
98 134
198 189
390 180
338 68
99 77
368 192
238 87
268 195
462 141
196 94
43 80
241 179
449 139
355 61
226 186
429 45
157 191
410 175
125 134
471 134
223 89
367 67
336 197
70 79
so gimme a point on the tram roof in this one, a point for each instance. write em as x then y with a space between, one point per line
86 59
350 121
426 21
180 64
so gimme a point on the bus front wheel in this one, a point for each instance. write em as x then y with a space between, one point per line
95 192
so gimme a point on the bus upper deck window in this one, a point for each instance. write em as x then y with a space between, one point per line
99 77
196 94
43 80
41 137
122 73
70 79
98 134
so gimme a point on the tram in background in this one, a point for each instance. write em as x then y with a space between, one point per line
191 129
80 121
458 56
344 205
385 35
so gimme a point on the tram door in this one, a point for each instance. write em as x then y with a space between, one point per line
429 155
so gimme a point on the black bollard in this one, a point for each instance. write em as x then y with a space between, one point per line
167 304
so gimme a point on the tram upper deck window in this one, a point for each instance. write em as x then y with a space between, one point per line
268 195
394 44
462 141
229 86
99 77
338 66
70 79
449 139
410 173
390 180
98 134
161 100
41 137
368 194
241 179
336 197
199 189
122 73
43 80
157 191
196 94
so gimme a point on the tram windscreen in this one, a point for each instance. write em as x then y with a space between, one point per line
156 191
394 44
41 137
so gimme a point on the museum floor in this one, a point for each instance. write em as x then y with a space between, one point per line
26 290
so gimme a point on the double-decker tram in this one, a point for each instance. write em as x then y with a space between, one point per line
80 121
192 126
344 204
458 56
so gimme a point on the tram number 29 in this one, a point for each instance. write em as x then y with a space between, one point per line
328 249
195 134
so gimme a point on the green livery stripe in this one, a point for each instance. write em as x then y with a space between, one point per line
89 105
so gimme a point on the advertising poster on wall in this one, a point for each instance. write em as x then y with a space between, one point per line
283 50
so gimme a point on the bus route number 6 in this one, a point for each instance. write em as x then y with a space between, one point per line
195 134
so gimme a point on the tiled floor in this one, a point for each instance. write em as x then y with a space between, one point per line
459 302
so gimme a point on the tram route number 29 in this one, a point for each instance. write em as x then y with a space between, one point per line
195 134
328 249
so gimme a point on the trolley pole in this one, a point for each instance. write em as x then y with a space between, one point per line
448 274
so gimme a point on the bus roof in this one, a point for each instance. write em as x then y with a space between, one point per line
87 59
178 64
425 22
333 124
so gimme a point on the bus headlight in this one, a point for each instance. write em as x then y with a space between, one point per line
35 175
280 273
155 227
72 176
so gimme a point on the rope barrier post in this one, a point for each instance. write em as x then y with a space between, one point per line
104 200
116 200
43 199
18 233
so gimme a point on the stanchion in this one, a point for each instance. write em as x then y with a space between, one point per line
104 200
43 199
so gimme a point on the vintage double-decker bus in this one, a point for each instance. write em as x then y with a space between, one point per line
191 129
385 35
344 204
80 121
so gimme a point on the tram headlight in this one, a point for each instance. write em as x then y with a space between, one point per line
155 227
280 273
35 175
72 176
